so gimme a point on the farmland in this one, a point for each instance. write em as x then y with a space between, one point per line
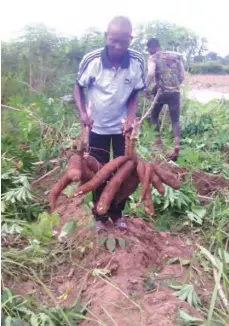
170 269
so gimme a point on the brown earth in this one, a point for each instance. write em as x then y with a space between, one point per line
120 297
219 83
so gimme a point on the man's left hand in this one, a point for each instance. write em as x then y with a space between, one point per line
127 126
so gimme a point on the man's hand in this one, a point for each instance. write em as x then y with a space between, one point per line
127 126
85 120
146 93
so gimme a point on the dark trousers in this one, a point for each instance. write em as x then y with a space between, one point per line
100 146
173 101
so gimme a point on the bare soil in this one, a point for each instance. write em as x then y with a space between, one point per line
219 83
121 296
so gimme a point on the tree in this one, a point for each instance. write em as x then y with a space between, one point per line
171 37
211 56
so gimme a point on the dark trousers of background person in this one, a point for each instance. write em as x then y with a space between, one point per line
173 101
100 146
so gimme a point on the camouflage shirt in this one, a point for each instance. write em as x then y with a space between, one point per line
168 70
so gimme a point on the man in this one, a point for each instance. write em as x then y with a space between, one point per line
167 69
113 76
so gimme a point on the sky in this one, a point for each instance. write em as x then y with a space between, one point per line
207 18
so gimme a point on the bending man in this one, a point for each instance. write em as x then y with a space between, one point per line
167 70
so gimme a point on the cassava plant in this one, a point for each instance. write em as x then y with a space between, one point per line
122 175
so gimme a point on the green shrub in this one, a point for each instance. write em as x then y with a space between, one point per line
210 67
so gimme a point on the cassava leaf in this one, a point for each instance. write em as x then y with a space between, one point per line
122 242
69 190
185 316
68 228
101 240
111 244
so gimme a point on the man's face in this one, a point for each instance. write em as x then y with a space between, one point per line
152 50
117 42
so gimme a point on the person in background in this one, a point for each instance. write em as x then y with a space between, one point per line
166 69
113 77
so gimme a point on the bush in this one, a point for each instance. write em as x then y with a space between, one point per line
210 67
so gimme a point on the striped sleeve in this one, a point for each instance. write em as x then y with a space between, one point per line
140 69
85 68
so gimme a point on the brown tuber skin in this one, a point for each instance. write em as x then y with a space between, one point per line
141 171
128 187
146 180
74 170
101 176
113 186
57 189
148 202
93 164
73 174
156 182
122 175
167 177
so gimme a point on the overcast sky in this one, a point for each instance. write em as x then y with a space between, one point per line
72 17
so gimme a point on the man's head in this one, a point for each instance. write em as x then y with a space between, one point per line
118 36
153 45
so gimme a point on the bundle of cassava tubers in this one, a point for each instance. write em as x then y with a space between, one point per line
122 176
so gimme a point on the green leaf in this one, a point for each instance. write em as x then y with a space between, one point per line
111 244
69 190
184 262
122 242
184 315
226 255
199 211
101 240
10 321
148 284
68 228
172 260
187 293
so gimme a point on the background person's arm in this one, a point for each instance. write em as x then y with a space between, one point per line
151 72
182 71
79 95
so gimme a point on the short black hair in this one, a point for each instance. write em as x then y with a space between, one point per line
153 42
122 22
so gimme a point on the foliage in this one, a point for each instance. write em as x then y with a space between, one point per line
209 67
171 37
111 242
196 124
37 69
17 311
17 201
40 62
187 293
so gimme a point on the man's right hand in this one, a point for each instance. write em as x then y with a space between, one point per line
85 120
147 94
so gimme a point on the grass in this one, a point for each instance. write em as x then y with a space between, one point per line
45 128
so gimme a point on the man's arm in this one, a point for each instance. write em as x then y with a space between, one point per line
83 79
151 72
79 98
182 71
132 105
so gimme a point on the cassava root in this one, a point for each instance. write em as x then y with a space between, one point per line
121 176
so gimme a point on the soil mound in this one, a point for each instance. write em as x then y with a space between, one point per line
134 290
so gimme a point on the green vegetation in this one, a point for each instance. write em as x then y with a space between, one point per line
37 129
209 68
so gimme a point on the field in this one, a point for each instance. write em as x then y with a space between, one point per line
219 83
170 270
